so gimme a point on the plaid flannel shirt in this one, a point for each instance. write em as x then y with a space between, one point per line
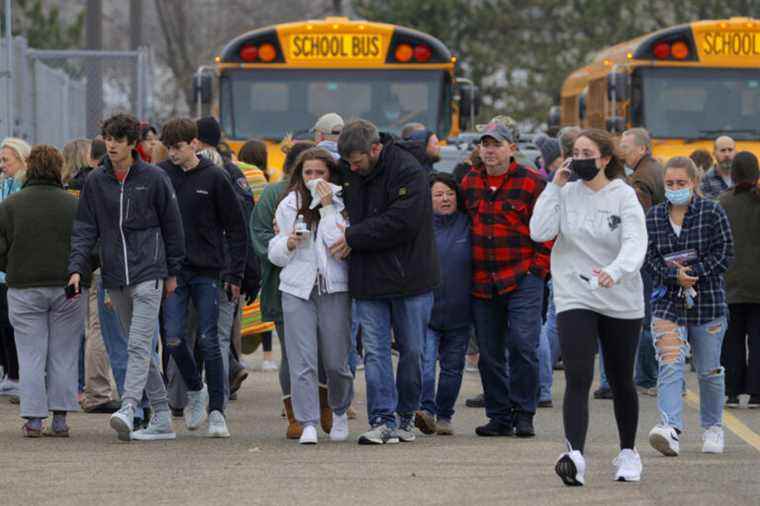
706 230
502 250
712 185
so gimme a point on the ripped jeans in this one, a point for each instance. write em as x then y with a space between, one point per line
672 344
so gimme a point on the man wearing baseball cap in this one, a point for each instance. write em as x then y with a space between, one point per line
326 131
509 270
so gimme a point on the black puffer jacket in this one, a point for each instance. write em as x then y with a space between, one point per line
138 224
391 232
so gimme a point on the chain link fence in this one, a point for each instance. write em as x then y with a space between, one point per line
58 96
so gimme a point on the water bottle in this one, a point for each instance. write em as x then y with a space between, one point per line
301 227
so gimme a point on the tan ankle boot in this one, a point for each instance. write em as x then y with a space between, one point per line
294 428
325 413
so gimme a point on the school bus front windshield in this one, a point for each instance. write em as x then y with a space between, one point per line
697 103
270 103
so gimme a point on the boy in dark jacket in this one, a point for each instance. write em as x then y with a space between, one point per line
393 270
211 217
131 208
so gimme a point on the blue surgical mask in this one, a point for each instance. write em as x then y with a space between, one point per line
678 197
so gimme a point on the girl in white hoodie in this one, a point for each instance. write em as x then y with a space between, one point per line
314 285
601 241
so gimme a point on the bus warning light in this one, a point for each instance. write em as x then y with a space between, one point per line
422 53
404 52
249 53
679 50
267 53
661 51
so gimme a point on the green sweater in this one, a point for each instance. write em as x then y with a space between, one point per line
35 236
262 231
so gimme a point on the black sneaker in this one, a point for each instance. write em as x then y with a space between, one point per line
732 401
495 429
603 393
479 401
754 402
524 425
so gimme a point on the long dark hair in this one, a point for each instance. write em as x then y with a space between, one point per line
607 147
298 185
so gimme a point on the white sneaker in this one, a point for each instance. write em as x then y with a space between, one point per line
309 435
10 388
159 429
123 421
195 411
664 439
627 466
339 430
571 467
217 425
269 365
712 440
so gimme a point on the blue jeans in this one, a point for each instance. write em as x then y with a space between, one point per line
510 323
672 344
409 318
449 348
116 343
646 360
548 350
204 292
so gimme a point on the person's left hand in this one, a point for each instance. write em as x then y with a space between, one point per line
340 249
605 280
325 193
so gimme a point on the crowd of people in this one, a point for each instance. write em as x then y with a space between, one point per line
148 240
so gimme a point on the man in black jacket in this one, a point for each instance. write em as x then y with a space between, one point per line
393 269
209 136
211 216
130 207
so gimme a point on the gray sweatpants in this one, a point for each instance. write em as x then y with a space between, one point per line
318 328
48 328
138 307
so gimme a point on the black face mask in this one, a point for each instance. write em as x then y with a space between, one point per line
585 169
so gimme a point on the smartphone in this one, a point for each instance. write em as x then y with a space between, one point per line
71 291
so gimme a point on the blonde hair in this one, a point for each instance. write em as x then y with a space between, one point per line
76 155
687 164
22 149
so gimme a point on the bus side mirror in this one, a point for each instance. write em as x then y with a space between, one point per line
202 88
616 124
469 103
617 87
554 117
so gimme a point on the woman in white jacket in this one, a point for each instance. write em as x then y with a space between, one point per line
314 285
601 241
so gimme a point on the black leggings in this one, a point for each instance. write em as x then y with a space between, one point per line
8 355
579 330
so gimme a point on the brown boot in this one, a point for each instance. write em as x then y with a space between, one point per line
325 415
294 428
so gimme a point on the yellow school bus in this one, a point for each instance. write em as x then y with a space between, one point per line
280 79
687 85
